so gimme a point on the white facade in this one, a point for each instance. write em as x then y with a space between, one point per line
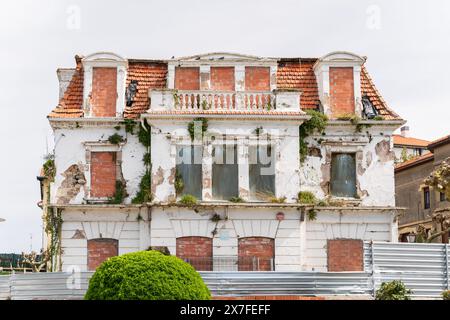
300 242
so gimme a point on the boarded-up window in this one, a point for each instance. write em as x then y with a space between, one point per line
261 172
198 251
343 175
256 254
103 174
225 184
187 78
189 170
104 92
99 250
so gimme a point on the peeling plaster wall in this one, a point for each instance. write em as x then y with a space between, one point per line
70 150
285 137
299 245
374 157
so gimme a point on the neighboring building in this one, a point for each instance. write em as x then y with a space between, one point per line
411 193
406 147
253 107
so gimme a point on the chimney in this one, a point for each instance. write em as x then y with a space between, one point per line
64 77
405 131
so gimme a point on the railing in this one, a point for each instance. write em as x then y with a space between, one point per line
199 100
228 100
231 263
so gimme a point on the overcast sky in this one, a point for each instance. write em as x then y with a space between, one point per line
406 42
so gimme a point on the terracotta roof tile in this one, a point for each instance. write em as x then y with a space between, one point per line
292 74
149 75
437 142
415 161
407 141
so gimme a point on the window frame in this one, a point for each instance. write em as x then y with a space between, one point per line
355 194
192 145
426 199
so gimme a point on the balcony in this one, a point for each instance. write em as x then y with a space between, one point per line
196 101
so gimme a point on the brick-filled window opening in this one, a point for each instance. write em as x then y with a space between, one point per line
101 249
189 170
225 176
257 78
261 172
197 251
345 255
256 254
222 78
104 92
343 175
103 174
187 78
426 198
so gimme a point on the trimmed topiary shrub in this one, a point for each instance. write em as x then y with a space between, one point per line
394 290
146 275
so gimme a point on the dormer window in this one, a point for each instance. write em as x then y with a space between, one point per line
104 85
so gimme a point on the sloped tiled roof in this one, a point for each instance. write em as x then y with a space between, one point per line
415 161
407 141
292 74
438 142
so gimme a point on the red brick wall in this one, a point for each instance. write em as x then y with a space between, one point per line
187 78
258 247
101 249
257 78
104 92
222 78
345 255
342 99
103 174
197 251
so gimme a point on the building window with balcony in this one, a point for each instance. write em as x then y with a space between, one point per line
189 170
225 176
426 198
261 172
343 175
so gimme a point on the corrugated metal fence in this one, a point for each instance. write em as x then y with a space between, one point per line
423 268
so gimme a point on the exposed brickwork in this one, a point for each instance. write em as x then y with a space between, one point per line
255 247
257 78
197 251
103 174
222 78
187 78
268 298
101 249
342 95
345 255
104 92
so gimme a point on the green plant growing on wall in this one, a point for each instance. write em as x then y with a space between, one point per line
53 223
120 194
378 118
144 193
312 214
115 138
49 167
179 183
394 290
317 122
236 199
277 200
188 200
129 125
191 127
446 295
306 197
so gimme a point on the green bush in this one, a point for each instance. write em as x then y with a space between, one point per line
446 295
188 200
394 290
146 275
306 197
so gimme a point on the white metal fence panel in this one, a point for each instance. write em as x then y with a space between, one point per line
5 290
49 286
423 267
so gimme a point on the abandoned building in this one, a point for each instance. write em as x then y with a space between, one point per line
224 160
420 200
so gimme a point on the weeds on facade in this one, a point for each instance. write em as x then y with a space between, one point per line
129 125
120 194
216 218
188 200
277 200
312 214
115 138
147 159
49 167
144 193
446 295
53 223
191 127
306 197
394 290
236 199
179 183
317 122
